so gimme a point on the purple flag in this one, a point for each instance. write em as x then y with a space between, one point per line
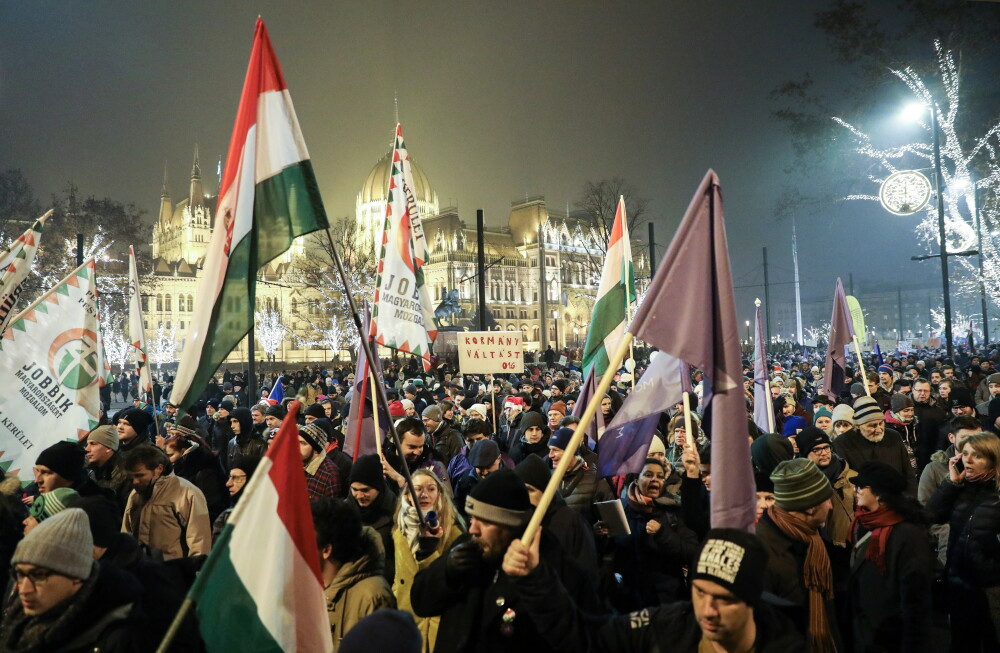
690 313
626 442
359 430
585 397
840 337
763 409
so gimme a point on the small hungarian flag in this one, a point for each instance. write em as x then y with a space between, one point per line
261 589
614 294
268 197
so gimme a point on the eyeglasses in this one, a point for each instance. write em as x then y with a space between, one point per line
237 478
821 448
38 577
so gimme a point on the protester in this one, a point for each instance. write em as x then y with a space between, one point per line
580 486
376 503
871 440
815 445
105 462
240 474
322 476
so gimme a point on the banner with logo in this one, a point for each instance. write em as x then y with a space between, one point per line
50 372
487 352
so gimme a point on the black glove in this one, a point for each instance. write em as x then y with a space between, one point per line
462 560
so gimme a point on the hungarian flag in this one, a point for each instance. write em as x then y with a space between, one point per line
50 372
261 589
403 318
615 293
15 263
268 197
136 330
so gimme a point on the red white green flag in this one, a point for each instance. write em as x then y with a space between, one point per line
268 197
136 330
260 589
15 262
402 318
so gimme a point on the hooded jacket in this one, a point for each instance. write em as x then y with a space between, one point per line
359 588
245 443
521 448
203 468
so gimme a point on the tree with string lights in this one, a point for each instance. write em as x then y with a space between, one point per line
163 347
270 332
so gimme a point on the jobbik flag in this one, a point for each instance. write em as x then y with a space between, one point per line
359 430
245 604
625 444
15 264
402 318
841 332
50 372
136 330
268 197
614 294
690 313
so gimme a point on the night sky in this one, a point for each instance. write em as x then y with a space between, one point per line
497 101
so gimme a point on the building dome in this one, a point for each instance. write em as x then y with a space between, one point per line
377 182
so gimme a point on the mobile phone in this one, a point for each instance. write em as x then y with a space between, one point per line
959 466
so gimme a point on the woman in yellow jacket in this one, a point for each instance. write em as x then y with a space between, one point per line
411 557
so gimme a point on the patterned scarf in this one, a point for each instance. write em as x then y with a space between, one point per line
981 476
408 523
639 501
879 523
816 573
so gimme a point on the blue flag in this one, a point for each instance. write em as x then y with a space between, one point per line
878 354
278 391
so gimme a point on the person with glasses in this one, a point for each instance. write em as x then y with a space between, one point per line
65 600
815 445
239 476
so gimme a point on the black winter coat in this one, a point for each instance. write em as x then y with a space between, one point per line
973 512
856 449
204 469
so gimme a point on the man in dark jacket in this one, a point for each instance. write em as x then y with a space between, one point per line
726 611
930 419
581 486
445 440
871 440
104 461
376 502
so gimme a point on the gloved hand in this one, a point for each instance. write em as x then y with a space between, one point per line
462 560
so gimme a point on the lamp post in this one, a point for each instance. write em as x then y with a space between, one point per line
576 337
747 322
555 326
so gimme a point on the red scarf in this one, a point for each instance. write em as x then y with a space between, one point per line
981 476
879 523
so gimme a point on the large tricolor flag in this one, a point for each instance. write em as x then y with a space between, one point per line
136 330
50 372
615 292
403 318
268 197
15 263
260 589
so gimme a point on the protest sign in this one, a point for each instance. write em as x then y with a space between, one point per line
481 352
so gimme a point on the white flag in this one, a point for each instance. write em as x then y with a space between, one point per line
15 263
136 330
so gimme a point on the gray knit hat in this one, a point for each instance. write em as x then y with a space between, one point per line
843 413
799 485
866 409
61 543
106 435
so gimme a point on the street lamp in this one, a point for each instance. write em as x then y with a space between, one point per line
555 324
576 337
747 322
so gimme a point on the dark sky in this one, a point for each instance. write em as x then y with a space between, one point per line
497 100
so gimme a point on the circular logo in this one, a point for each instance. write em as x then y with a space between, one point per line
73 358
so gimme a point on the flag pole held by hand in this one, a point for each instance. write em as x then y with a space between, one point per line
861 365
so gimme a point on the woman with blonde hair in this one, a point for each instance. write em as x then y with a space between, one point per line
417 547
968 500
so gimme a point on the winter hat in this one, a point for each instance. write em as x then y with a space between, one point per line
514 402
383 630
534 471
762 482
656 446
137 419
276 410
800 485
532 418
467 403
314 435
62 543
810 438
433 413
247 463
993 378
961 397
769 450
857 389
478 408
500 498
106 435
886 368
186 425
105 519
315 410
560 439
407 404
53 502
823 411
227 386
396 409
228 402
900 402
64 458
559 406
734 559
843 413
866 410
483 453
880 477
562 384
367 470
410 389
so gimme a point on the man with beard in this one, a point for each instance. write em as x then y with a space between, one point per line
479 604
376 502
104 460
871 440
416 452
165 511
447 442
814 444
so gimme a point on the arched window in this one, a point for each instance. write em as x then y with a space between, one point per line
511 327
159 302
180 303
295 305
191 303
524 293
534 333
166 303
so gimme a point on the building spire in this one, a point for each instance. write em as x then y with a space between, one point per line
196 168
164 193
196 194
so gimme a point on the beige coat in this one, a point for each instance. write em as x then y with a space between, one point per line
359 588
174 520
839 523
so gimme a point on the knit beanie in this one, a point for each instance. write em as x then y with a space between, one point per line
961 397
65 459
866 410
53 502
277 410
500 498
367 470
823 411
396 409
106 435
186 426
769 450
880 477
993 378
478 408
137 419
314 435
383 630
810 438
315 410
800 485
734 559
656 446
560 439
559 407
843 413
562 384
61 543
899 402
532 418
410 389
857 389
104 517
433 413
483 453
407 404
534 471
887 369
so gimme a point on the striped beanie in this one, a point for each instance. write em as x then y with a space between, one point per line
887 369
866 409
53 502
799 485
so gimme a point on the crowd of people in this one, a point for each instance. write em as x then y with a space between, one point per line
878 516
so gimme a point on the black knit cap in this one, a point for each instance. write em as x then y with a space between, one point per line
880 477
277 410
247 463
734 559
810 438
137 419
500 498
368 470
383 630
534 471
65 459
315 410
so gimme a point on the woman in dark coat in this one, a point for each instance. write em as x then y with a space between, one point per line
892 565
969 502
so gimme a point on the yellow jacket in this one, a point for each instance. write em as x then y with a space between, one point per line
406 568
